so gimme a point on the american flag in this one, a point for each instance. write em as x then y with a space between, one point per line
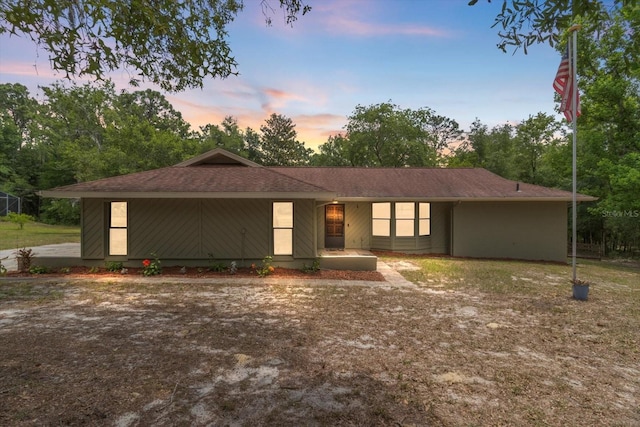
563 84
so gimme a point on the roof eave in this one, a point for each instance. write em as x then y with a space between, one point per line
183 195
582 198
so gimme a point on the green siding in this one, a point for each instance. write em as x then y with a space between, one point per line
236 229
357 225
93 229
521 230
166 227
186 229
303 226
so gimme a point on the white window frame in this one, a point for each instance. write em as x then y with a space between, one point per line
282 228
410 219
381 219
424 219
405 218
118 228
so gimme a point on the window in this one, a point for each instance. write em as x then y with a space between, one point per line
283 228
424 218
405 219
118 228
381 219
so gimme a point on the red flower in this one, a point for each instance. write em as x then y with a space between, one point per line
146 263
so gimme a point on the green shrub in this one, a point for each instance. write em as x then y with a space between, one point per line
151 267
314 268
215 265
38 269
114 266
266 268
20 219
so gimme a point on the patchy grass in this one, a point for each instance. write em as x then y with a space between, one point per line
36 234
471 343
514 277
30 291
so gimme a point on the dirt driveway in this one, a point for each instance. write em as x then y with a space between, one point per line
305 353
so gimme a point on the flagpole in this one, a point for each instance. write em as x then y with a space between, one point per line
574 112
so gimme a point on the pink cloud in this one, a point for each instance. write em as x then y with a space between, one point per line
357 17
360 28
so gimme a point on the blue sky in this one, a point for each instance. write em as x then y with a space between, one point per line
439 54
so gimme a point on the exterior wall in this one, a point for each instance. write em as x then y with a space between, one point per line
440 239
357 226
358 231
93 229
304 222
236 229
185 230
519 230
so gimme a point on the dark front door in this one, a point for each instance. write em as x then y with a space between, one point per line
334 227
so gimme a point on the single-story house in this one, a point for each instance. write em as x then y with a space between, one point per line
224 206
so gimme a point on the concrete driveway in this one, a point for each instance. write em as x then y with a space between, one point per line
64 250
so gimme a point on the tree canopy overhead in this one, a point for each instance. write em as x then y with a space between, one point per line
523 23
174 44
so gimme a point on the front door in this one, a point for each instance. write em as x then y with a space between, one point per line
334 226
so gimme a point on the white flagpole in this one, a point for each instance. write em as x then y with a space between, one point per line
573 51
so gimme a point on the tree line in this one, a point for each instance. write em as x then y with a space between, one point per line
79 133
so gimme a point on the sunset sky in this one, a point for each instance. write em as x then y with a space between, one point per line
439 54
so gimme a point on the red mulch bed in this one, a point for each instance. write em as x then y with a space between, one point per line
202 273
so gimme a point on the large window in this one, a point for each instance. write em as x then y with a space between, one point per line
381 215
118 228
283 228
404 218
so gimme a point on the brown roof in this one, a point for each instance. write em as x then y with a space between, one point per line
196 179
432 183
214 175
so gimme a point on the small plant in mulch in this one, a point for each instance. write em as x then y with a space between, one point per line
65 270
233 268
313 268
265 268
24 257
152 267
38 269
114 266
214 265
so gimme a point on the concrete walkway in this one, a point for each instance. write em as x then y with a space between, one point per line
72 250
63 250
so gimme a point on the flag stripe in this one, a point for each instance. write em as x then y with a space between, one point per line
563 85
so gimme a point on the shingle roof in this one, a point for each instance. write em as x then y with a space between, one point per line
209 177
434 183
196 179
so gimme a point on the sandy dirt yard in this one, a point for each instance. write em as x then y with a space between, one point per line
302 352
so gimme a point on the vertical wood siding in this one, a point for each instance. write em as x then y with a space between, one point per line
440 228
357 225
319 213
93 229
303 227
522 230
169 228
236 229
